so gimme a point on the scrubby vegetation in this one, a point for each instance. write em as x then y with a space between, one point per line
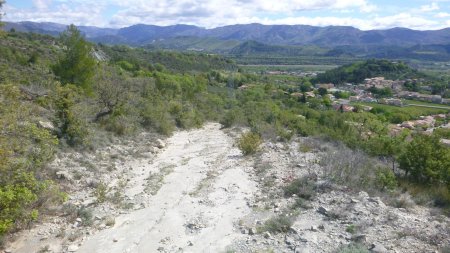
48 106
249 143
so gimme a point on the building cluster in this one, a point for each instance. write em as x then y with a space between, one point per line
423 97
361 94
381 83
424 122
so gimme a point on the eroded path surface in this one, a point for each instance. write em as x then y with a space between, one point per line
203 194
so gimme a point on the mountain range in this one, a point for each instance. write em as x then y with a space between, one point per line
258 39
329 36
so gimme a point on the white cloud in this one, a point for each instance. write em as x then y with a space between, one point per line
42 11
213 13
42 4
399 20
210 13
442 15
429 7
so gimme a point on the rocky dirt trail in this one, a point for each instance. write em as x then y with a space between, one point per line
175 219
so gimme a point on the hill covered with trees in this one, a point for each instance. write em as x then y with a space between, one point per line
356 73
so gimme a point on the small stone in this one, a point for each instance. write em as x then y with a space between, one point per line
63 175
378 201
244 231
313 228
363 195
323 210
115 240
354 201
160 144
289 241
190 243
359 238
72 248
252 231
47 125
378 248
321 227
301 250
267 235
78 220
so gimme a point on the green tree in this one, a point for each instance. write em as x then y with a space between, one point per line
322 91
426 160
76 66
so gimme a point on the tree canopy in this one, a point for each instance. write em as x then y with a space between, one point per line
76 66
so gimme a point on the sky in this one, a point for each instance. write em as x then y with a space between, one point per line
362 14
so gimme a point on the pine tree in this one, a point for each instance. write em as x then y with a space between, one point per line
76 66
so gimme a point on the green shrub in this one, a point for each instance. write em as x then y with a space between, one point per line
445 249
101 192
426 160
24 150
441 197
69 123
229 119
189 119
120 124
350 229
249 143
284 134
155 115
279 224
353 248
304 188
86 216
386 179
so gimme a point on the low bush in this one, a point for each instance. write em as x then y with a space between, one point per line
386 179
279 224
352 248
249 143
304 188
